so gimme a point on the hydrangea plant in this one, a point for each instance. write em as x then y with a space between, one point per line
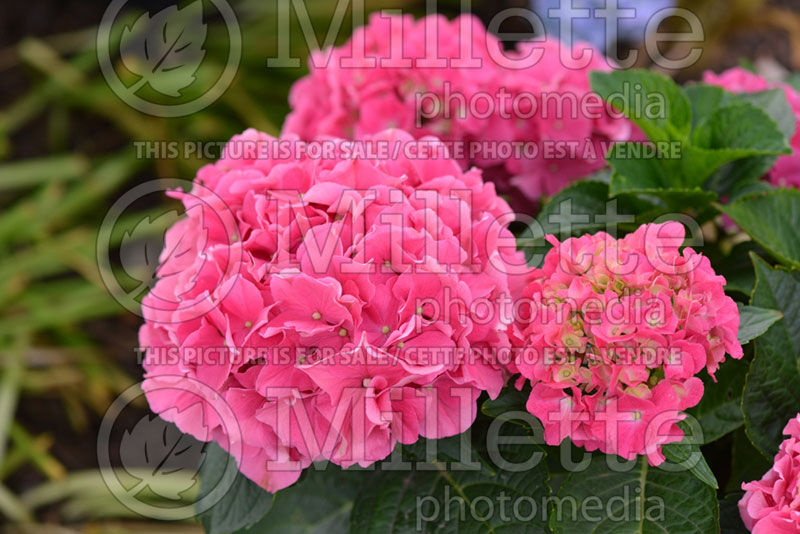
355 293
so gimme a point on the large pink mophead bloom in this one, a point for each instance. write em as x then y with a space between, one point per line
772 505
453 80
338 302
786 171
613 333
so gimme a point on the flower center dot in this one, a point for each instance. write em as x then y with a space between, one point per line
316 316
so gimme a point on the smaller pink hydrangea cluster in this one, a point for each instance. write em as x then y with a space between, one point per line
772 505
786 171
613 333
328 302
453 80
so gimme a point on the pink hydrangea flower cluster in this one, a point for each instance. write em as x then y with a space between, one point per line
614 333
786 171
371 82
772 505
451 79
338 293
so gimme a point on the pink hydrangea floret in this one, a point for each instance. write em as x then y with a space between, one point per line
613 333
336 296
772 505
526 116
786 171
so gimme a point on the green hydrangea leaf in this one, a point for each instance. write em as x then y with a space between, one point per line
320 503
772 390
643 499
719 412
754 321
431 499
738 131
585 207
244 502
686 453
772 219
651 100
